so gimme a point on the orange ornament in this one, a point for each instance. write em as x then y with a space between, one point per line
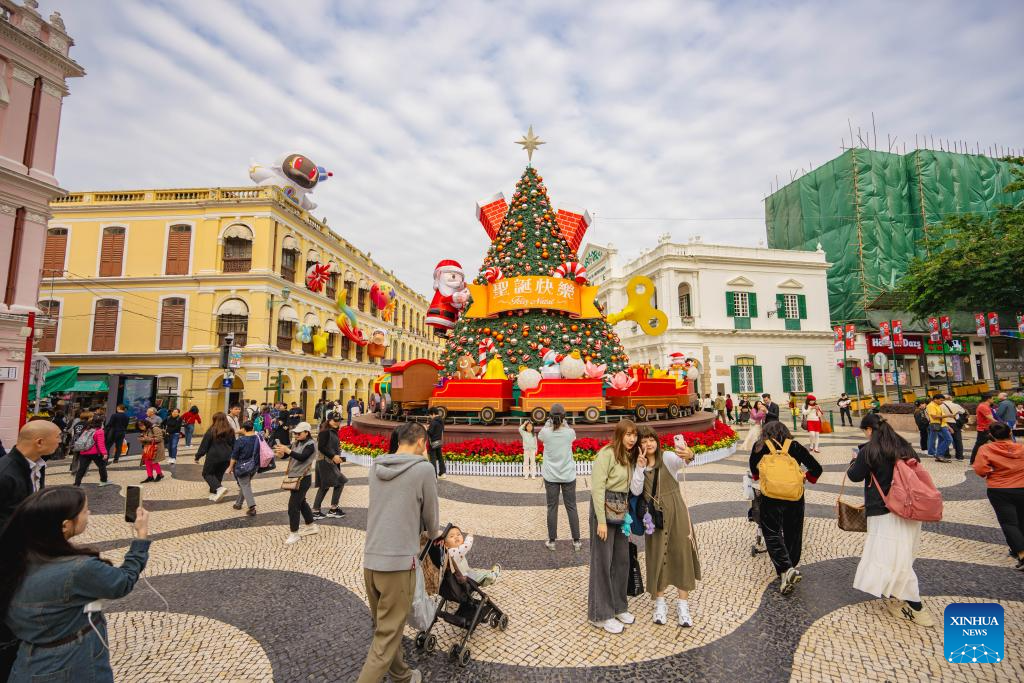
487 330
537 244
574 328
544 254
501 338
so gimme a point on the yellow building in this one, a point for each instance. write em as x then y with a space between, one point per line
149 282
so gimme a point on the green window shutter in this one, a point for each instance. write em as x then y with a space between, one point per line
730 305
801 302
808 384
780 305
752 298
741 323
787 386
758 380
734 370
792 323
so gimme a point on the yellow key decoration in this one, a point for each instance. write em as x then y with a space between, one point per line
640 308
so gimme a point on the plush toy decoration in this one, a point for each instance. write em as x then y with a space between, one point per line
317 276
378 345
347 322
320 343
467 368
528 378
295 174
592 371
621 380
572 270
550 360
495 368
304 334
572 366
450 296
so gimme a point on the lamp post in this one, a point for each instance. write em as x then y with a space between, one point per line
895 366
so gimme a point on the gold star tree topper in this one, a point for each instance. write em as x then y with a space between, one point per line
530 142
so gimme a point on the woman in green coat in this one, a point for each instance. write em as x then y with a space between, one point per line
671 551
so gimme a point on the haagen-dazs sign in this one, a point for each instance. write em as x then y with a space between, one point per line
910 346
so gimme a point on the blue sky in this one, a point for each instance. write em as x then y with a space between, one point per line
659 116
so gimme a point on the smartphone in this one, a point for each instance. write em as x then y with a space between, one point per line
132 502
680 441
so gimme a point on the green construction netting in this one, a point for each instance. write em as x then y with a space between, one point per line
57 380
869 211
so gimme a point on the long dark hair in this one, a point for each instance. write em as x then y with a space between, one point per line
221 428
885 446
646 432
776 431
34 535
624 456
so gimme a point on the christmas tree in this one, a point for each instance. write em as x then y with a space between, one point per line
530 242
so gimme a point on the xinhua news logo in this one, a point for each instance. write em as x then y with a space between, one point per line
973 633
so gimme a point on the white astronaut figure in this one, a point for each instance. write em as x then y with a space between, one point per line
295 174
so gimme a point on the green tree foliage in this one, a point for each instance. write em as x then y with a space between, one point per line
530 243
974 262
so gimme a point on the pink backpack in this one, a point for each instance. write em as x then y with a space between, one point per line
913 494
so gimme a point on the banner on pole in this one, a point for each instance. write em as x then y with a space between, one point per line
933 328
883 333
897 332
851 336
993 324
979 323
947 327
837 338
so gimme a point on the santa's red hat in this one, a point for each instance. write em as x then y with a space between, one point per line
544 351
447 266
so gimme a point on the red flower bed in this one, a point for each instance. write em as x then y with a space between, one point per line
489 450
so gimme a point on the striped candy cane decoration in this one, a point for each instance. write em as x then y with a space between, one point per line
486 346
573 268
493 274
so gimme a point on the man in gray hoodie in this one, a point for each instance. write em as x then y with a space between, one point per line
403 502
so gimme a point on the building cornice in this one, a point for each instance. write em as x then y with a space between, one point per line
726 332
69 67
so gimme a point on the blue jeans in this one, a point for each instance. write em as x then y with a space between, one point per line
939 440
172 445
189 431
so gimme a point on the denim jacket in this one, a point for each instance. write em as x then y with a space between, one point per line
48 607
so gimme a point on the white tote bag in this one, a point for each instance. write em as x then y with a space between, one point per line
421 616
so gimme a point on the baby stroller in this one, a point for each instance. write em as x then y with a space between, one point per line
462 603
753 494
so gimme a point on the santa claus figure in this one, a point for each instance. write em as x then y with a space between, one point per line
450 296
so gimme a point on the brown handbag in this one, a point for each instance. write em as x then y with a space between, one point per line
616 503
851 517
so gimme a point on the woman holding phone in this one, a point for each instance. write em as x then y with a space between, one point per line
671 549
46 582
302 451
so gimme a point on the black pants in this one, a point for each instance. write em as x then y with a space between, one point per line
1009 508
437 460
321 493
924 436
297 504
844 415
983 438
782 524
114 442
83 467
213 473
958 440
568 489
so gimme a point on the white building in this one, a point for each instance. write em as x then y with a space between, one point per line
757 319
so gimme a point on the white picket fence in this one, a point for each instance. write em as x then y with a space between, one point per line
515 469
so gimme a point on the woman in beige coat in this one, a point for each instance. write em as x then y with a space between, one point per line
671 552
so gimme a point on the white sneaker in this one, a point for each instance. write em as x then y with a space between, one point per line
212 498
172 461
550 545
788 581
292 538
660 611
309 530
683 612
219 496
611 626
625 618
577 545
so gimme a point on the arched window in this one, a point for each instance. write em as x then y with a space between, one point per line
233 318
289 257
237 249
287 319
685 311
112 251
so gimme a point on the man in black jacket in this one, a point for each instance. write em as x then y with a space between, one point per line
22 470
115 431
772 407
435 433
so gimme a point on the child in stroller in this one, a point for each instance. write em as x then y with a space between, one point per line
462 602
458 546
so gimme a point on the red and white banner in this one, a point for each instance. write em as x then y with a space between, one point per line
837 338
897 332
883 333
947 328
851 336
1020 323
993 324
979 323
933 328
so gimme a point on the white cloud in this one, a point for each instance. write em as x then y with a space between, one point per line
654 110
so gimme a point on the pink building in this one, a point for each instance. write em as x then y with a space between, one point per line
34 68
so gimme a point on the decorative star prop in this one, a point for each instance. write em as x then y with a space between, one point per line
530 142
